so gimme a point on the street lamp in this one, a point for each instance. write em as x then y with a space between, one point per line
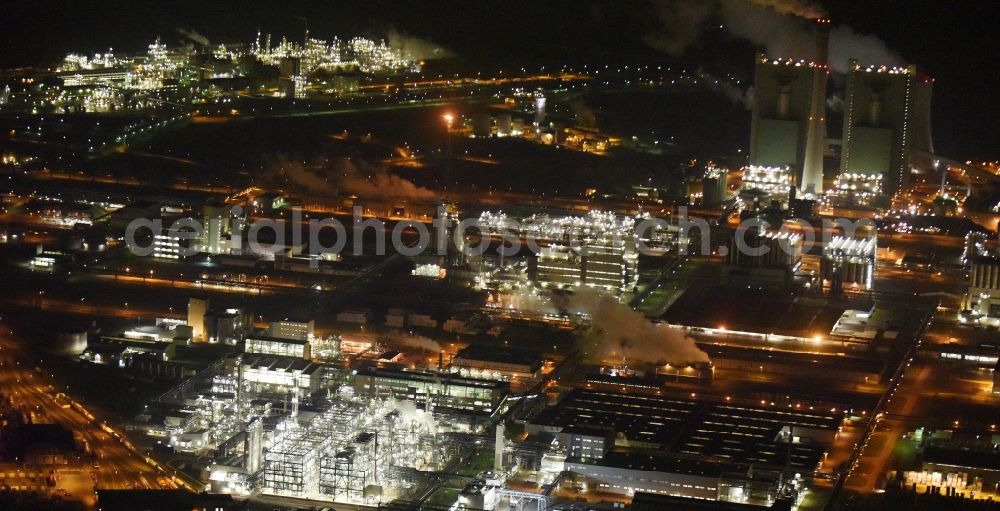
449 120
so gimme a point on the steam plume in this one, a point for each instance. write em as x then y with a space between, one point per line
794 7
372 181
409 413
282 170
194 36
415 48
782 27
735 94
415 341
620 332
343 176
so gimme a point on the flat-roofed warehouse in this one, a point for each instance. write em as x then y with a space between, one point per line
737 433
500 361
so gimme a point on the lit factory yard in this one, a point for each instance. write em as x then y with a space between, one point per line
666 255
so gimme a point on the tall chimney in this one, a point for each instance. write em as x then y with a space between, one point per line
812 168
499 445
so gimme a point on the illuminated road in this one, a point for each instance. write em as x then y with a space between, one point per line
878 451
115 466
83 308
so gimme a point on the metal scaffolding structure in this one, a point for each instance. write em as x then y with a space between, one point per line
348 453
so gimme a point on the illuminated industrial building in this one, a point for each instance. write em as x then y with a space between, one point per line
271 372
682 447
766 249
169 244
982 300
278 346
294 330
886 128
609 265
350 452
331 65
714 185
496 363
788 116
598 250
220 221
443 390
848 262
772 181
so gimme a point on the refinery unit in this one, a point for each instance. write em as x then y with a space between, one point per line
166 77
277 434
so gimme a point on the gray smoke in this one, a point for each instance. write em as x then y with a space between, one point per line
415 48
414 341
585 116
345 176
194 36
835 102
782 27
620 332
374 181
735 94
807 10
846 44
282 170
681 24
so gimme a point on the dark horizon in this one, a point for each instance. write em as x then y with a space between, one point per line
946 44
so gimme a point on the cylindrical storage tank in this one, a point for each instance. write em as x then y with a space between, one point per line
504 124
72 342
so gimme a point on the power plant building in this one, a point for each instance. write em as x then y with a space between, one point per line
608 264
765 249
982 301
848 261
775 181
886 118
598 250
788 115
713 185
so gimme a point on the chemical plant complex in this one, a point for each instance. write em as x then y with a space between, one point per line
326 271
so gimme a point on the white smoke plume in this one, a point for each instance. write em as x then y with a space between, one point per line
373 181
415 341
415 48
806 10
782 27
735 94
194 36
409 413
342 176
284 171
846 44
681 24
620 332
835 102
527 300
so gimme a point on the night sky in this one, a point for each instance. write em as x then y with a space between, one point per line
954 42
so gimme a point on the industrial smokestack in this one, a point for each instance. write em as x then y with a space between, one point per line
499 446
812 171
